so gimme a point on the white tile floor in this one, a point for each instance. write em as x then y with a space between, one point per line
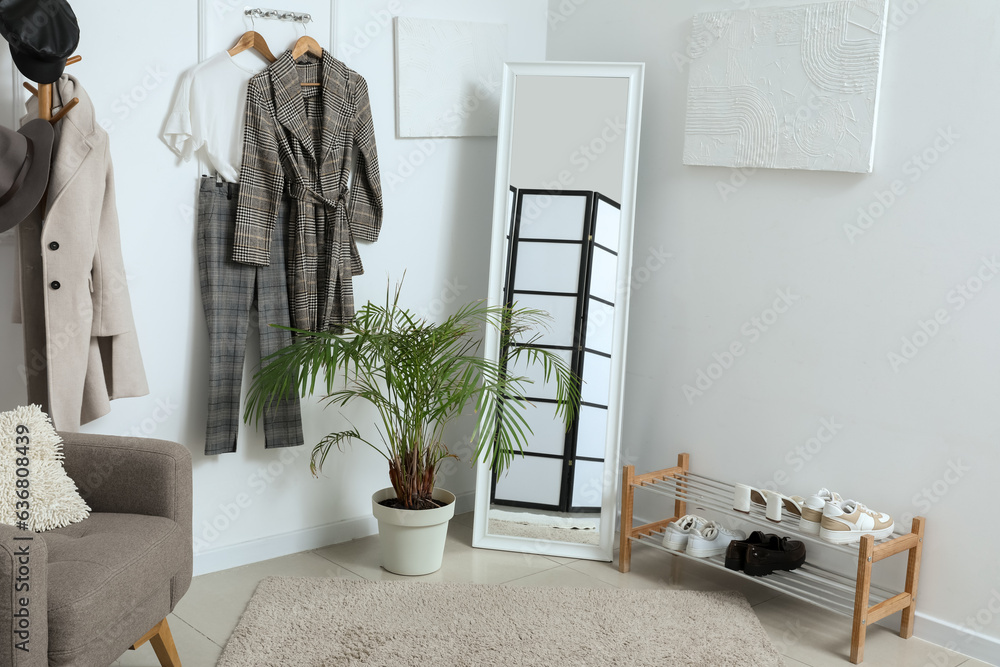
803 633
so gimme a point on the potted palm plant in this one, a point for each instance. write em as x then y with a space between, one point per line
419 376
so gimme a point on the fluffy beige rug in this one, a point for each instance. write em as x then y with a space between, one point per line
338 622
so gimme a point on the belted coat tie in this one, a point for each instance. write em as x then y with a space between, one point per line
299 142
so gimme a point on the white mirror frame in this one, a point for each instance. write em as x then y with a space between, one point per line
634 73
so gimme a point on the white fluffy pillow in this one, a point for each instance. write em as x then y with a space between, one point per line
52 496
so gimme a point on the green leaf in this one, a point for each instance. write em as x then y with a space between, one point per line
419 376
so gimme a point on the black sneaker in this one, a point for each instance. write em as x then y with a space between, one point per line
736 552
762 559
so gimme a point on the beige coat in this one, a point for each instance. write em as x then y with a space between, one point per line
81 348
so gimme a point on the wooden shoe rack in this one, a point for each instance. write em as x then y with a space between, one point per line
852 595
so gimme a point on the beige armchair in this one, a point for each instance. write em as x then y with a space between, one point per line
84 594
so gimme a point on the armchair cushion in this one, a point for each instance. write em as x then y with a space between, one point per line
130 475
102 569
135 476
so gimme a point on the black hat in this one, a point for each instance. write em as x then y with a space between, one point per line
41 34
24 169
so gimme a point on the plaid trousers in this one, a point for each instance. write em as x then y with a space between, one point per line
228 291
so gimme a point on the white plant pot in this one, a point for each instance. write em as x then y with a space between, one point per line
413 540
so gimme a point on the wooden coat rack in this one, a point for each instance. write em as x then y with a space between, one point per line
44 95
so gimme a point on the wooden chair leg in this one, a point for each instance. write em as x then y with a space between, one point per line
163 645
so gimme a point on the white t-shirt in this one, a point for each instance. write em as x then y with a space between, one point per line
208 114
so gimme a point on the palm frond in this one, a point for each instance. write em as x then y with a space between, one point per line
419 376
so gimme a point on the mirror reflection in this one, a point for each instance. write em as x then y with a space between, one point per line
566 242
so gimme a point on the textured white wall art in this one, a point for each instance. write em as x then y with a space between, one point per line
448 77
786 87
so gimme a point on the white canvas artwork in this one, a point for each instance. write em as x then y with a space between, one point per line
449 75
786 87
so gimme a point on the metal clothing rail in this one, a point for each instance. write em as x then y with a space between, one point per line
852 596
277 14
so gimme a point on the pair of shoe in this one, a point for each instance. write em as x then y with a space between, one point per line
772 501
841 521
761 554
812 510
699 537
825 514
844 522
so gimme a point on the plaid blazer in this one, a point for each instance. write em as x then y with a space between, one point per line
299 142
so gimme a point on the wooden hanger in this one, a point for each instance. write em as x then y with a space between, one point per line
304 45
44 95
252 39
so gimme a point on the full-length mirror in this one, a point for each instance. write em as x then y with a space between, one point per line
562 243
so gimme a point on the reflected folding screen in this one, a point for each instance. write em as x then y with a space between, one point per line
562 258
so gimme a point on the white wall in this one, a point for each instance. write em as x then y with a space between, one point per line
917 439
901 435
438 197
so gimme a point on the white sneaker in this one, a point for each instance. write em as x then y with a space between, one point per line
845 523
812 510
711 540
676 535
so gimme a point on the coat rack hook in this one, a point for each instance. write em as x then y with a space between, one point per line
278 15
65 110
